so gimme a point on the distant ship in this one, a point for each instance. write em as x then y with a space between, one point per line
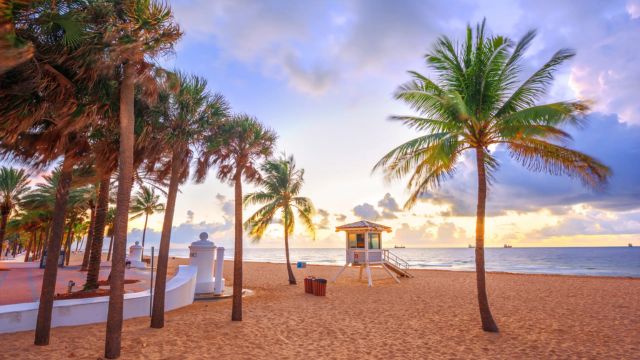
399 246
507 246
630 245
471 246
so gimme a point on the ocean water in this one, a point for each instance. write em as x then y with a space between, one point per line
590 261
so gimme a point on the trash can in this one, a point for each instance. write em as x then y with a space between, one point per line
308 284
319 287
43 259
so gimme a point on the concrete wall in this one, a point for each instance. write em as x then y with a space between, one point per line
22 317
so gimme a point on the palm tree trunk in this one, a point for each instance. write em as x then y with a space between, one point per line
67 252
87 247
110 247
30 246
102 206
488 324
78 243
157 315
42 241
236 310
3 227
292 278
144 233
43 325
125 179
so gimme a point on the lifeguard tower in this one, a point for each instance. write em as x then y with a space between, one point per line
364 249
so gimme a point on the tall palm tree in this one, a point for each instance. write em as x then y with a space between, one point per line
237 147
281 186
146 30
146 203
475 102
185 115
14 183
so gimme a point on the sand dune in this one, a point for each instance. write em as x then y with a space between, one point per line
433 315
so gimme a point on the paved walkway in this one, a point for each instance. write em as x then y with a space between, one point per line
24 285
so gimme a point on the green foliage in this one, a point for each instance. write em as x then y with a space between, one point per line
281 185
236 146
475 101
145 202
14 183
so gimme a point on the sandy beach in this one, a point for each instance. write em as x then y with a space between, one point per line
433 315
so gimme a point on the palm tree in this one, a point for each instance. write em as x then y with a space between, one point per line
146 203
147 29
185 115
281 185
477 102
236 148
13 185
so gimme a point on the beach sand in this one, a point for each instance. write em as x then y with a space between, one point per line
433 315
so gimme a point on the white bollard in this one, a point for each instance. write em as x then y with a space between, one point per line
219 279
201 256
135 256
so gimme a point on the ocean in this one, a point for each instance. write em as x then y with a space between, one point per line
589 261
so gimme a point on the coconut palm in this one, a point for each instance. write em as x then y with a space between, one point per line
476 102
14 183
185 115
281 186
236 148
146 203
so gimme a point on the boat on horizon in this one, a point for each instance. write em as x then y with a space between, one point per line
471 246
507 246
399 246
630 245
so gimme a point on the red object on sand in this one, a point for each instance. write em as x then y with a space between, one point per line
308 284
319 287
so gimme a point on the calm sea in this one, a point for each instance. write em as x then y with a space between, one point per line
592 261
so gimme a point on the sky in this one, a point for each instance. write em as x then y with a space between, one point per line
322 74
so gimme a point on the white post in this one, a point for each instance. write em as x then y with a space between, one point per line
201 255
218 287
366 247
135 256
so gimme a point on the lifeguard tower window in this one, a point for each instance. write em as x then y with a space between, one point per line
356 241
374 241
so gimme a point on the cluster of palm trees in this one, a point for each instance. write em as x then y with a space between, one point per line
80 90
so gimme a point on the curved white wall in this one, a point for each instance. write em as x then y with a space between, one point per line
21 317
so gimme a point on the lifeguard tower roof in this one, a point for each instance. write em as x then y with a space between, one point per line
363 225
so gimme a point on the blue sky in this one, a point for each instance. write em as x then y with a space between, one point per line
322 74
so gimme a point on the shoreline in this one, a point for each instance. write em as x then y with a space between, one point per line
293 265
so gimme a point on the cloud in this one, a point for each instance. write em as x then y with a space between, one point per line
190 215
615 143
590 221
187 233
227 206
366 211
430 233
341 217
270 36
389 207
324 220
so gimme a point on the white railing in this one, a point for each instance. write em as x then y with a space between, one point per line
394 260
